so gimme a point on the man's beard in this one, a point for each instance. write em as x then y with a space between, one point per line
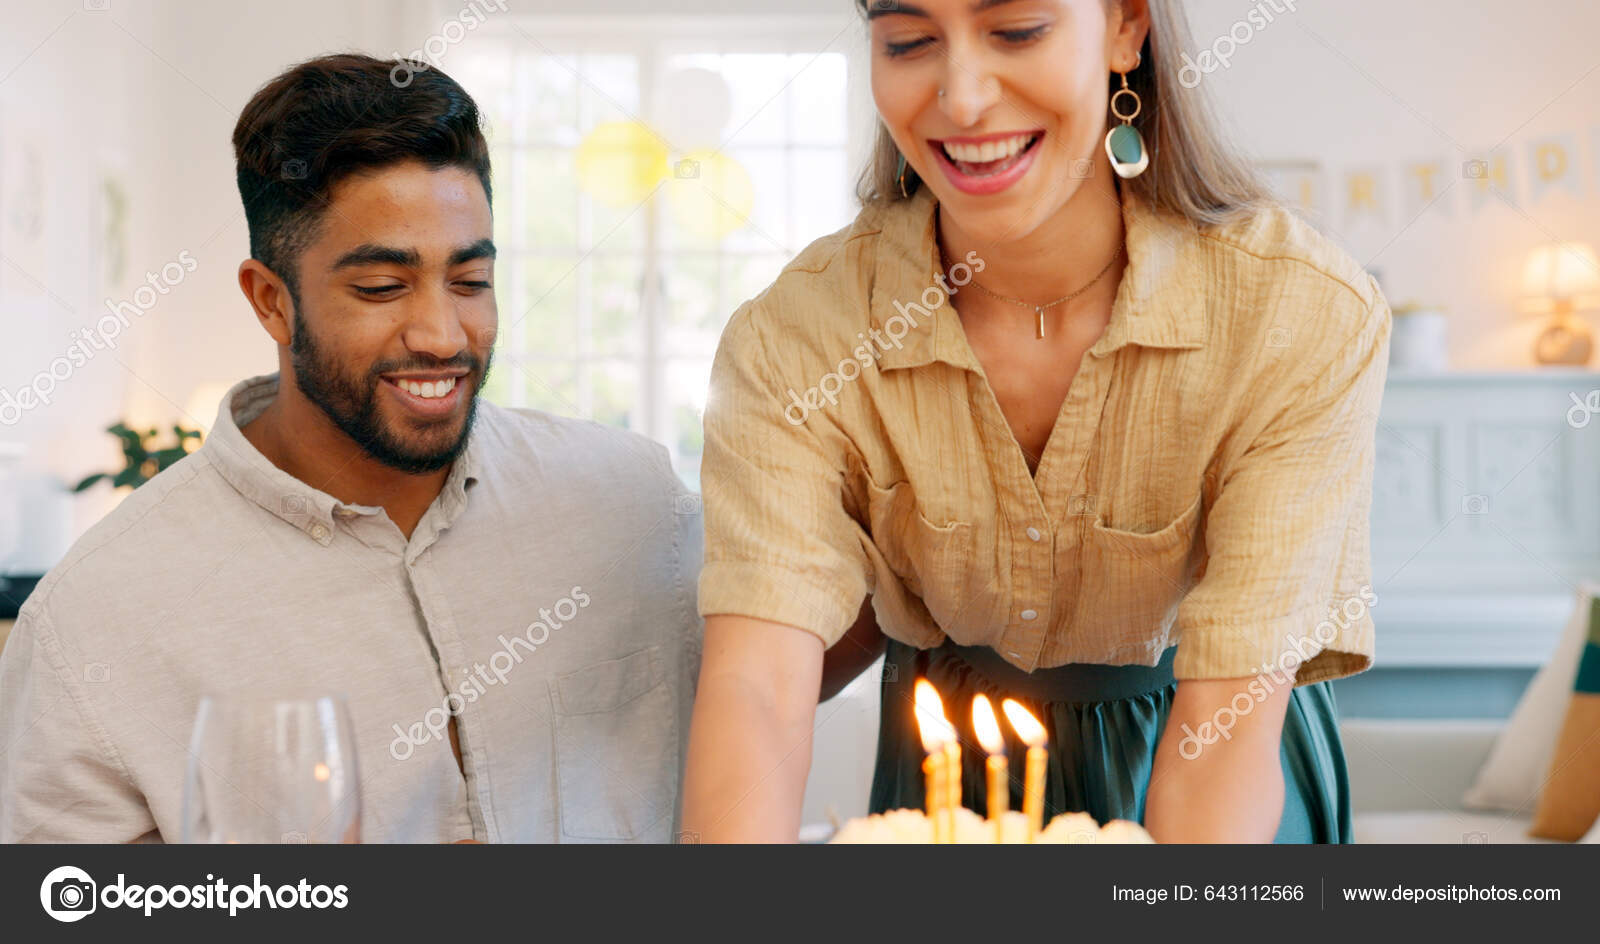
352 403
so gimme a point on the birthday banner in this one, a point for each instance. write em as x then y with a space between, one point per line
1552 166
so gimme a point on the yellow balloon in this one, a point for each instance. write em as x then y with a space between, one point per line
621 162
710 194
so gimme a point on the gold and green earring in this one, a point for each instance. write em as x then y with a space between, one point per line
1124 143
900 175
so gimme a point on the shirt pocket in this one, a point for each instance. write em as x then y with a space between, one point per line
935 560
616 750
1133 580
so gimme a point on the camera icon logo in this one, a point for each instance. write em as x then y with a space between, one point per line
294 169
1278 337
1475 839
688 838
1475 504
686 169
891 672
686 504
1475 170
96 6
97 672
1082 168
68 893
293 505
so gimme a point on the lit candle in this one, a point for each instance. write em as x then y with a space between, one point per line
952 750
1032 733
985 725
935 733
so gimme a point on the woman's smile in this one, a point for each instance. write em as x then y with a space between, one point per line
986 164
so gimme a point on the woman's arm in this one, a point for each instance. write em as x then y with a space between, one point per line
750 739
1230 790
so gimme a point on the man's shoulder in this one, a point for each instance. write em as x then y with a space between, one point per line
571 450
141 541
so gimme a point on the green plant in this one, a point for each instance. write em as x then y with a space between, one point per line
141 464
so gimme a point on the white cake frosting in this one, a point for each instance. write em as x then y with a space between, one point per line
913 827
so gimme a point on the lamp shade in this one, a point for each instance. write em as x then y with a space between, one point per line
1560 276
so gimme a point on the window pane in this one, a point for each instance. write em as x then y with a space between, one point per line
616 283
608 87
547 106
822 181
687 381
616 229
550 185
694 315
768 229
819 98
549 311
759 83
549 386
614 397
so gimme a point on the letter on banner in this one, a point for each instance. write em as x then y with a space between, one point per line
1364 199
1423 185
1488 179
1299 184
1552 163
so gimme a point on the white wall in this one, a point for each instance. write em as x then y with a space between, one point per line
1353 82
149 90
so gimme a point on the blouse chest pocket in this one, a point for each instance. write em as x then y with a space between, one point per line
936 560
1132 581
617 750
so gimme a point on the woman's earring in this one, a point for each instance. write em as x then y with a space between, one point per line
1124 143
901 176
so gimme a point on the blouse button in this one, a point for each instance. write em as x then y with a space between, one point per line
1033 534
319 532
1029 614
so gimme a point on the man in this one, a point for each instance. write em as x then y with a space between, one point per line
505 598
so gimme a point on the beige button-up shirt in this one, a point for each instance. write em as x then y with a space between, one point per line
1207 482
549 586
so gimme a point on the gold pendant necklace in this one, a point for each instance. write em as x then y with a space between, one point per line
1037 309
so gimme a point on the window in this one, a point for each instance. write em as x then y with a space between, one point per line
611 309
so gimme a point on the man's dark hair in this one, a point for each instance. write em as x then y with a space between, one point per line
328 117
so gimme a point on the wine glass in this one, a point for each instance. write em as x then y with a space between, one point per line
264 770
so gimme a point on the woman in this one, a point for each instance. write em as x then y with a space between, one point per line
1086 414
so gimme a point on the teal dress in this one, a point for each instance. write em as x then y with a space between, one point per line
1104 723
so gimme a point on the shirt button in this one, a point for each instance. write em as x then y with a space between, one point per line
1029 614
1033 534
319 532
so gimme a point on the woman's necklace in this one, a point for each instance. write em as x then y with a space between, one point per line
1038 309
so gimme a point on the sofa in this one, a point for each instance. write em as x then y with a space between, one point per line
1407 778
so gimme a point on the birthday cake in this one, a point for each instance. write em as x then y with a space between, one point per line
914 827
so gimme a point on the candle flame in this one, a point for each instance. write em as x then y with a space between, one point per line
986 725
1024 723
931 723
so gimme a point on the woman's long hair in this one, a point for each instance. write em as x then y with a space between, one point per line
1194 171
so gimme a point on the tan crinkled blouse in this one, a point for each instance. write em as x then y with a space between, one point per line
1207 482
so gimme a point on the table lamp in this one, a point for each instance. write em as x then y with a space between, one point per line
1559 280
